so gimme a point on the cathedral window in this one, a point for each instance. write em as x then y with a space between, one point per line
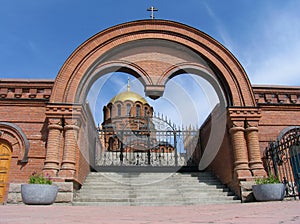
119 110
128 108
138 110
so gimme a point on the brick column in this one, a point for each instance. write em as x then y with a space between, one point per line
240 152
70 148
255 161
51 164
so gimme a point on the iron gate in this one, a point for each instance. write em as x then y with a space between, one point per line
159 146
282 158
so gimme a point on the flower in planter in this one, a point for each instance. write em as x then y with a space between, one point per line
267 180
37 178
268 189
39 190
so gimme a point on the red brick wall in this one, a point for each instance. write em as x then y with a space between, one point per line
222 164
22 103
280 108
31 119
274 120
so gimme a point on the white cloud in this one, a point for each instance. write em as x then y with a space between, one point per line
273 55
226 39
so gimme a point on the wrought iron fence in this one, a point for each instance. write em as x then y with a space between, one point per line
160 146
282 158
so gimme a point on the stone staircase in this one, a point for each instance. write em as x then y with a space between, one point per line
153 189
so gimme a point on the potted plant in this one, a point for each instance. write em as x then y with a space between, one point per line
39 190
268 189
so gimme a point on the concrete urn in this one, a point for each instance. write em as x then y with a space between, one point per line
269 192
38 194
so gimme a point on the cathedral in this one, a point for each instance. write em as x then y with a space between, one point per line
47 126
127 111
129 133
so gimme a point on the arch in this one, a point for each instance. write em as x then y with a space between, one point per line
18 141
76 71
112 66
288 131
200 71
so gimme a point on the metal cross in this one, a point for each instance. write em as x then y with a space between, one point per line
152 9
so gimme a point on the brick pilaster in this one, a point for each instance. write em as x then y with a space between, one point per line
240 152
255 162
51 164
70 148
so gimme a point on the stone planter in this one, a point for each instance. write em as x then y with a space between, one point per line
38 194
269 192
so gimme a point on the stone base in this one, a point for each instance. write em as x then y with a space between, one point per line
246 191
65 193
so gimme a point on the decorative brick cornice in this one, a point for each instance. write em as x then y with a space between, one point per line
66 110
244 113
25 89
277 95
72 113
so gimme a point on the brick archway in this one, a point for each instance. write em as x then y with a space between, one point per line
85 59
154 51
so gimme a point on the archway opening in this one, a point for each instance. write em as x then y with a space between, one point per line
189 100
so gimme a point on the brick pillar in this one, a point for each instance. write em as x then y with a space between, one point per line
70 148
51 164
255 162
240 152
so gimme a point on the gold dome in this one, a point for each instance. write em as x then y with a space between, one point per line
128 95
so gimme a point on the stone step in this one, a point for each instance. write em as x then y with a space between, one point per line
199 187
148 181
142 181
155 199
162 184
152 189
164 197
150 204
152 176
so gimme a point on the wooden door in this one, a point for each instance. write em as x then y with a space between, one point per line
5 157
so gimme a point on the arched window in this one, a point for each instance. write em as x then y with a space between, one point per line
119 110
128 108
145 111
138 110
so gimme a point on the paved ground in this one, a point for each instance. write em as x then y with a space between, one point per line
264 212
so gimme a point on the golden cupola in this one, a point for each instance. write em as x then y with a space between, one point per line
128 95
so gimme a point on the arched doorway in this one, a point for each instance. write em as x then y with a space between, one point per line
5 158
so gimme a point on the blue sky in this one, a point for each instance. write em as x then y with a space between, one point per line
37 36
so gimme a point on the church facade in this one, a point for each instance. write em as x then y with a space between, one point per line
47 126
